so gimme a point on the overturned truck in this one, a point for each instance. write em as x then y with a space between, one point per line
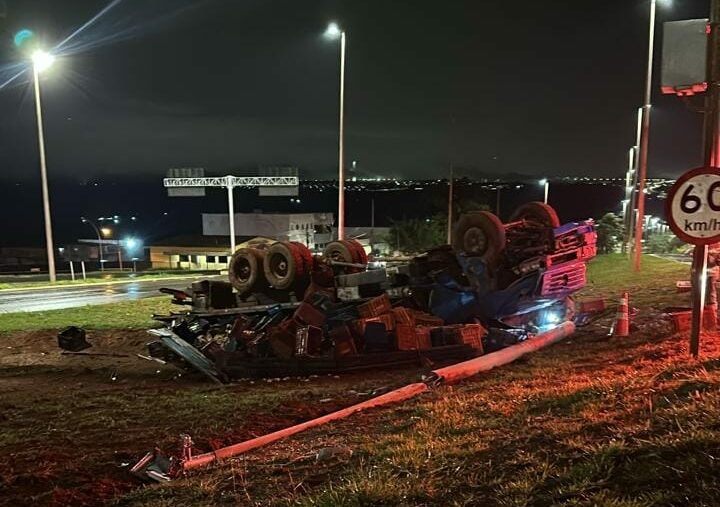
285 311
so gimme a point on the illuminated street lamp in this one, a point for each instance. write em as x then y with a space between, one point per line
645 136
334 32
42 61
101 232
545 183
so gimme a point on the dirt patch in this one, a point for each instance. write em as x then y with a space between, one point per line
71 426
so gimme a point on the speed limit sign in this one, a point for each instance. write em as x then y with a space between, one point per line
693 206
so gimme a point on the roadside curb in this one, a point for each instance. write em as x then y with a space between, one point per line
111 282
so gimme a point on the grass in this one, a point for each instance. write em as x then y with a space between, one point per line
94 279
609 275
122 315
592 421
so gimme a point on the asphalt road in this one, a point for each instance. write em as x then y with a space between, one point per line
31 300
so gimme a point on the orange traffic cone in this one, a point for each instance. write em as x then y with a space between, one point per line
622 318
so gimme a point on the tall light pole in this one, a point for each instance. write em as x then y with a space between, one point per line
334 32
546 184
100 243
644 140
41 61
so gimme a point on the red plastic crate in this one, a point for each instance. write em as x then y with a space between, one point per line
403 316
388 320
308 314
412 337
375 307
592 306
344 342
682 318
426 319
471 334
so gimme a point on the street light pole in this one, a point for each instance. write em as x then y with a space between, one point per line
41 60
231 213
100 243
644 141
546 184
334 31
341 147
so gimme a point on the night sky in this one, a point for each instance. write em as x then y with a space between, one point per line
541 88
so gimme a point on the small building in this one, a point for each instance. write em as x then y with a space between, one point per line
22 259
311 229
197 252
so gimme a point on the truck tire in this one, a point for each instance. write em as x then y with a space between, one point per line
482 234
283 265
305 266
246 271
537 212
344 251
359 251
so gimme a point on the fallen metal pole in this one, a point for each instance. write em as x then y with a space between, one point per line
449 374
402 394
487 362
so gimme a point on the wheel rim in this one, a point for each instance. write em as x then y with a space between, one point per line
475 240
242 269
279 265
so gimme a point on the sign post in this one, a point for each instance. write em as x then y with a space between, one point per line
693 211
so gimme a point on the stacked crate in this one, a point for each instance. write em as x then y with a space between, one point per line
382 328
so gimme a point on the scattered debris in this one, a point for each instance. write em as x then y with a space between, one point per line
294 313
73 339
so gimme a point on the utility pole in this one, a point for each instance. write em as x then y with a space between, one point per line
231 213
711 157
341 144
450 205
44 179
644 142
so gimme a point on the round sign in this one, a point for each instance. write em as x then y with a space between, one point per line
693 206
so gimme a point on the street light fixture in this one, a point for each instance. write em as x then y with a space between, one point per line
42 61
334 32
100 233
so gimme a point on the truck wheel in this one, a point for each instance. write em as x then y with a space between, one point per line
480 233
281 265
246 272
342 251
537 212
305 262
360 254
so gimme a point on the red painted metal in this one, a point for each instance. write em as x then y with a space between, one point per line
466 369
452 373
402 394
564 279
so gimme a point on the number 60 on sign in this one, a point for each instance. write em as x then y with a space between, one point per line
693 206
